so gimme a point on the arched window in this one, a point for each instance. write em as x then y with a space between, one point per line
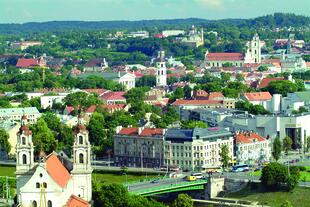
37 185
23 141
49 204
24 159
80 139
34 204
81 158
44 185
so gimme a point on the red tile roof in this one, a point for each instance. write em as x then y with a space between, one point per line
129 131
57 171
216 96
196 102
119 95
248 137
24 63
75 201
133 131
258 96
151 132
265 81
224 56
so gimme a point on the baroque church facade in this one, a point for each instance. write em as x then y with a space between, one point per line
53 181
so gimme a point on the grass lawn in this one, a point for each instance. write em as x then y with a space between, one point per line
109 178
299 197
7 171
102 177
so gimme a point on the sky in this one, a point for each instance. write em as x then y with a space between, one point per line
20 11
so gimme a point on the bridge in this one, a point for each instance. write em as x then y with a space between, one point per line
166 186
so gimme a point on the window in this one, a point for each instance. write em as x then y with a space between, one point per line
80 139
44 185
49 204
34 204
24 159
81 158
23 141
37 185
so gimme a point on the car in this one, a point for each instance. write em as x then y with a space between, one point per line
155 181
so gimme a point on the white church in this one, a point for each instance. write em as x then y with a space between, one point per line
53 181
253 55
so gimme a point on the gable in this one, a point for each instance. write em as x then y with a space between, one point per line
40 176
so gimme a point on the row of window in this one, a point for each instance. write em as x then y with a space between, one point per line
255 146
196 162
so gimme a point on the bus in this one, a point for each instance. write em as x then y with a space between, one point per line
240 168
197 175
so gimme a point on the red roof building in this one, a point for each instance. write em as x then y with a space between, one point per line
112 97
224 56
257 96
251 147
26 63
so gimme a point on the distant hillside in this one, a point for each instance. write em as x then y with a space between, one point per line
271 21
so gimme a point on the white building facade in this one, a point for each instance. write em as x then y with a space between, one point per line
251 148
195 149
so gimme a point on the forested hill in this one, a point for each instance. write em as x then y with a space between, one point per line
269 21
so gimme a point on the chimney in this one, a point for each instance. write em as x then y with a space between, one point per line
118 129
140 129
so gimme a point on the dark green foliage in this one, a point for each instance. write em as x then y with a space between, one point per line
252 109
183 200
117 196
4 141
43 137
275 176
276 148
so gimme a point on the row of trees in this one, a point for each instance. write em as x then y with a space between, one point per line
117 196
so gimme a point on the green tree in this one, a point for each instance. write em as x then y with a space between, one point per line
273 176
96 129
224 154
225 77
81 100
187 92
308 143
65 139
4 141
262 68
239 77
287 144
43 137
112 195
276 148
183 200
52 121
